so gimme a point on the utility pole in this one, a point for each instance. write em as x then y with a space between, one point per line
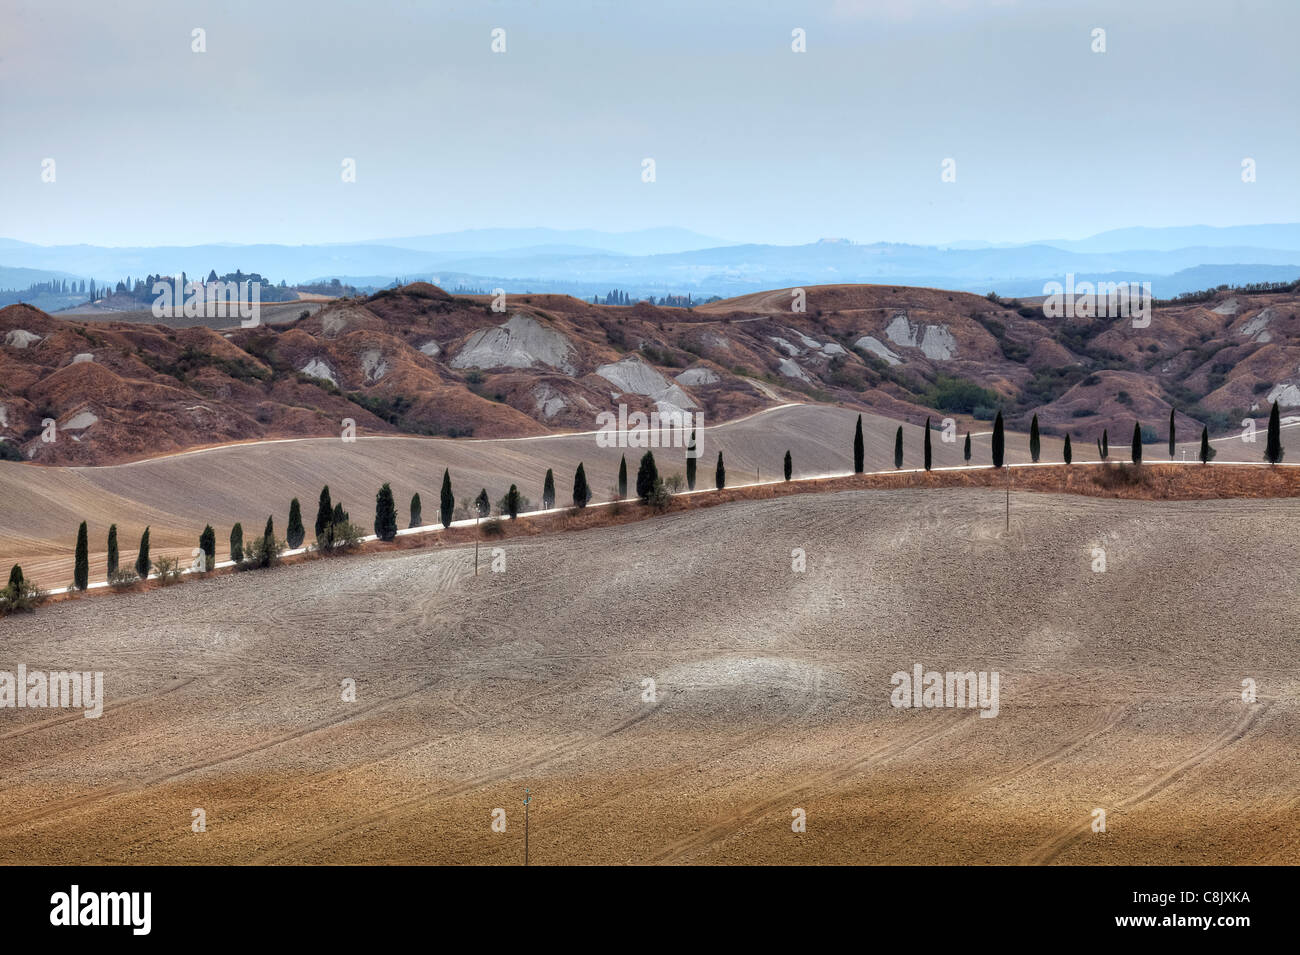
527 800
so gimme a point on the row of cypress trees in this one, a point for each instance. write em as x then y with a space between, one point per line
330 517
1273 450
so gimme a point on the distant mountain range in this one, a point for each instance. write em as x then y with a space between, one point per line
676 261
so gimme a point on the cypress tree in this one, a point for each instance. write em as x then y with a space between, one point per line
512 502
581 493
142 562
622 477
1137 443
268 543
296 531
1273 450
324 511
15 578
646 475
482 503
1171 434
1069 454
548 491
1035 445
1207 452
859 452
81 565
720 476
208 544
417 515
385 514
898 447
1103 445
927 444
692 459
966 450
447 504
237 543
999 441
789 466
112 550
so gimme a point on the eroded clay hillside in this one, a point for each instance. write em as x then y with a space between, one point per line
420 361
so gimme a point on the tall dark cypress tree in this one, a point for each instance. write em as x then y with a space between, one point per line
208 544
1207 452
928 458
81 564
1067 453
1103 445
1171 434
1035 443
789 466
296 532
1273 452
482 503
142 562
622 477
999 441
548 490
898 447
417 511
1137 443
859 451
646 476
385 514
966 451
512 502
324 512
237 542
720 475
581 492
112 550
692 459
447 503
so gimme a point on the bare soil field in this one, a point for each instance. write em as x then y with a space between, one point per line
1119 690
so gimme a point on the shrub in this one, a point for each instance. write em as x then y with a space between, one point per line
20 595
122 578
659 497
493 527
265 551
674 483
168 570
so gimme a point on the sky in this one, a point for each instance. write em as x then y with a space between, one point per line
155 144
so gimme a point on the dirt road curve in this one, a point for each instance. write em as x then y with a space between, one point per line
1119 691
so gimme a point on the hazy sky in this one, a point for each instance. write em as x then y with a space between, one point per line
155 144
